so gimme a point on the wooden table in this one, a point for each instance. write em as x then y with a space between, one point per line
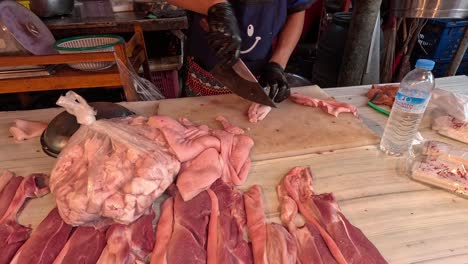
407 221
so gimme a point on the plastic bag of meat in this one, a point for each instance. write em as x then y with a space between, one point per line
111 170
441 165
451 103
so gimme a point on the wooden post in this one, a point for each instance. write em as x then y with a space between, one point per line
358 42
458 57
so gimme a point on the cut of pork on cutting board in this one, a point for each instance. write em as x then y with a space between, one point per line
288 130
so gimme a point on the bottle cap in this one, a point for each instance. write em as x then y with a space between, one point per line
425 64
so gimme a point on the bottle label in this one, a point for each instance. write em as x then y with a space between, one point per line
410 104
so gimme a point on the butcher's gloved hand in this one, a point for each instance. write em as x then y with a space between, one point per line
273 77
224 34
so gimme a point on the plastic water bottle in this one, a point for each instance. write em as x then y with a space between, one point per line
408 109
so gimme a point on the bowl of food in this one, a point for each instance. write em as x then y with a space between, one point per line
89 44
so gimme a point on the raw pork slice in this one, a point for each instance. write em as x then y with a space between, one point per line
383 94
164 231
328 106
271 243
231 245
23 129
84 246
257 112
346 242
235 152
189 238
12 199
311 248
451 127
5 179
128 244
187 142
46 241
198 174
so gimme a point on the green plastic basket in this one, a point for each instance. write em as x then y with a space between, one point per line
89 44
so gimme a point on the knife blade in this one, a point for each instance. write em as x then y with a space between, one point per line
240 80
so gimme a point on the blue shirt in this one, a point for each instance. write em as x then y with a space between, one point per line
260 21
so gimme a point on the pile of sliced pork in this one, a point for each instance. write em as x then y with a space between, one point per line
105 188
210 228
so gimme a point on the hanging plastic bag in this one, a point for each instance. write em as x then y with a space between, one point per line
111 170
145 89
441 165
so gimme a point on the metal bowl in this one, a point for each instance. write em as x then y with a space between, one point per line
64 125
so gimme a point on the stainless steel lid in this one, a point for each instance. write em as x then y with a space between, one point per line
26 28
64 125
431 8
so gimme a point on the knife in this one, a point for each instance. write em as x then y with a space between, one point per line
240 80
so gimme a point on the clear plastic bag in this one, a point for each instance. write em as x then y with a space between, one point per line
441 165
449 114
111 170
145 89
451 103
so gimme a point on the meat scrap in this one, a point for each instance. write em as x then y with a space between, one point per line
112 171
84 246
383 94
328 106
346 242
128 244
12 199
46 241
271 243
24 129
257 112
5 179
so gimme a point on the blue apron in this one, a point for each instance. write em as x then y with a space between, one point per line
260 21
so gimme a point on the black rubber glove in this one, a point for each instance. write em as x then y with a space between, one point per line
224 35
273 77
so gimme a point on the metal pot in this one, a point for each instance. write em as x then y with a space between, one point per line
431 8
48 8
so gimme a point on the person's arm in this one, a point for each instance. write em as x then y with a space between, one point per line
273 75
288 38
200 6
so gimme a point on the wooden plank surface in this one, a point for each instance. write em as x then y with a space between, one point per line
288 130
407 221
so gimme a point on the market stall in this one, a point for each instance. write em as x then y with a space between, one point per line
407 221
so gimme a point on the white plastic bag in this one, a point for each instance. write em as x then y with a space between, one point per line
111 170
451 103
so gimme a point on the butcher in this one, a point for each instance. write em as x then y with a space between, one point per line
263 33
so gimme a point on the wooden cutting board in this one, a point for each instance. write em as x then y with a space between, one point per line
288 130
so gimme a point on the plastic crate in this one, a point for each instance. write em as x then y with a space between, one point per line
167 82
439 39
441 67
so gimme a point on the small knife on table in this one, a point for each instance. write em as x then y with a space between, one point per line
240 80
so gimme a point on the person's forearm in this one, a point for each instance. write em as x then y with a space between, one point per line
288 38
199 6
